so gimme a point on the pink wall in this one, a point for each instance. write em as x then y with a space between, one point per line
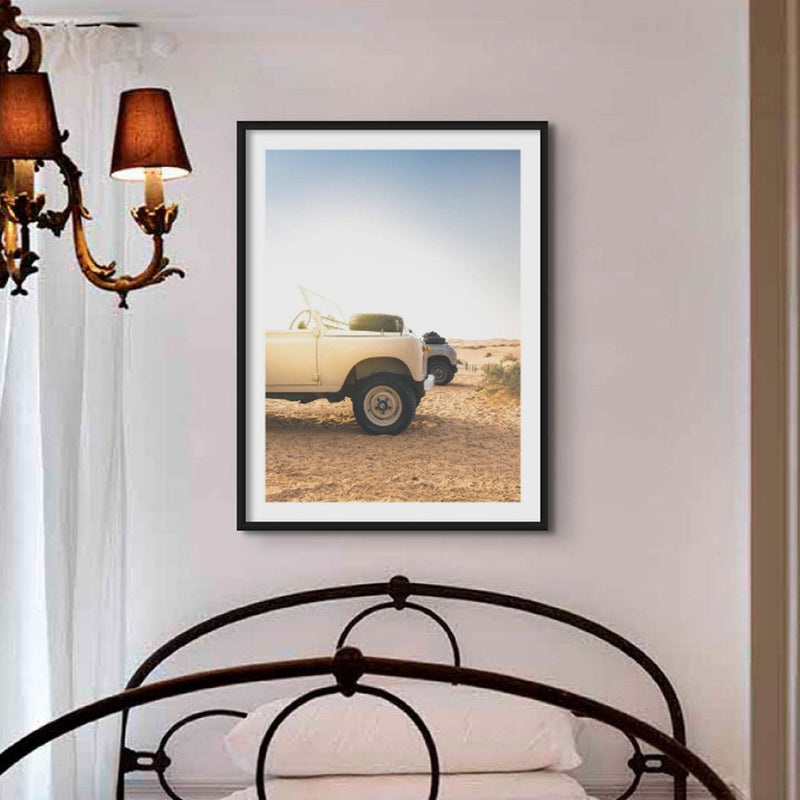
649 431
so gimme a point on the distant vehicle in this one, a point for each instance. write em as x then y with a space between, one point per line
371 358
442 358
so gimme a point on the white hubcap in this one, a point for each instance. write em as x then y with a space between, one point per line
383 405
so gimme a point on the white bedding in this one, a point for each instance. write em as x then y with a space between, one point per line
474 731
540 785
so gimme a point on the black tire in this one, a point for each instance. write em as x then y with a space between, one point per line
384 403
441 369
380 323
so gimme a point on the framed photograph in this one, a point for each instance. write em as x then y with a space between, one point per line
392 326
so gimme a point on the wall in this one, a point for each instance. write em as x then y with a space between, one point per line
649 302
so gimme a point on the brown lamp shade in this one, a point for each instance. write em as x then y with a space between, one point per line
148 137
28 127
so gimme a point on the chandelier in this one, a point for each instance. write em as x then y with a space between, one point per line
147 147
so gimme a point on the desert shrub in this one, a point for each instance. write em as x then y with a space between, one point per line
487 355
503 377
509 357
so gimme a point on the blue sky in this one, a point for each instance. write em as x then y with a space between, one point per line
431 235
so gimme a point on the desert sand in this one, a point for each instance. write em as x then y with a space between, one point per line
462 446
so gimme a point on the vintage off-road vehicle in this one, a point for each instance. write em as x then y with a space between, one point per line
371 358
442 358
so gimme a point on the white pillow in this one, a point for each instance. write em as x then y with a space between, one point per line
541 785
474 731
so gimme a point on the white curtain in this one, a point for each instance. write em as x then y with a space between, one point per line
63 490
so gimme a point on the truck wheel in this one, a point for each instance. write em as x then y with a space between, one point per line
380 323
441 370
384 403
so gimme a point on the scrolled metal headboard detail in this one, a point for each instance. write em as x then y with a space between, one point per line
368 612
347 684
348 665
131 761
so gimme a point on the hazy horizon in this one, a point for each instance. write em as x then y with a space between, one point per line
431 235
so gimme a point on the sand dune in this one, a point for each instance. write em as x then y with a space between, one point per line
463 446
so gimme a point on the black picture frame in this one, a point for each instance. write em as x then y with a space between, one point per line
246 520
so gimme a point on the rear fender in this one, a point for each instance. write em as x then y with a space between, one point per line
370 366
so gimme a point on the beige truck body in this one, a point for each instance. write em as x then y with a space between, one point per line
322 360
321 357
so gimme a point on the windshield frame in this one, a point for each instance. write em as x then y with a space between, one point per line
324 309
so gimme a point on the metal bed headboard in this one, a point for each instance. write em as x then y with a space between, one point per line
399 589
348 665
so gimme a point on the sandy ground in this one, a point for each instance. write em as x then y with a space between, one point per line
462 445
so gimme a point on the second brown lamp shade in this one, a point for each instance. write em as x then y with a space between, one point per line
148 137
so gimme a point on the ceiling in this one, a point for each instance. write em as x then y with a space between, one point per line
277 16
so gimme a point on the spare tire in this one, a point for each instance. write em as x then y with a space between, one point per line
381 323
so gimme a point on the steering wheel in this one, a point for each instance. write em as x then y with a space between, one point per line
301 320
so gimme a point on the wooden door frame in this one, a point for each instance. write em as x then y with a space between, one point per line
774 184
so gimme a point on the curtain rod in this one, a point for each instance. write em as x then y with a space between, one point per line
86 24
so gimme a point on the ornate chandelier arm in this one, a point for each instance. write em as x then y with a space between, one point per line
56 221
155 222
17 260
8 22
